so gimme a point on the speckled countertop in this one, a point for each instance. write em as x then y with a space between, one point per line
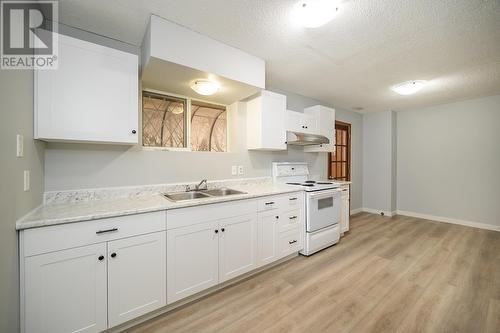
68 212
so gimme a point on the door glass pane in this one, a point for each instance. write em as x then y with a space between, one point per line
344 153
344 137
338 153
339 170
339 137
344 169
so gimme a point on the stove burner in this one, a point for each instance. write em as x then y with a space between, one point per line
324 183
301 184
310 181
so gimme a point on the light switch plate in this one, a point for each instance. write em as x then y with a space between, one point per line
240 169
19 145
26 180
234 170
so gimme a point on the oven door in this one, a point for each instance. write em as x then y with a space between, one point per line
323 209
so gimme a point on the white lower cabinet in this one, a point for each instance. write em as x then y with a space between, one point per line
344 210
65 291
136 276
268 228
192 259
237 246
70 287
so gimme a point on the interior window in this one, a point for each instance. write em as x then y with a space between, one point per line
165 123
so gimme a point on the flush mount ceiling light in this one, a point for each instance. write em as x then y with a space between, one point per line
409 87
314 13
205 87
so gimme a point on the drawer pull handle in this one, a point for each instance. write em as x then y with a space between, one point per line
292 217
101 258
292 199
105 231
269 203
291 242
113 255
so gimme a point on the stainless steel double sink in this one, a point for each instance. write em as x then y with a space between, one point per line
201 194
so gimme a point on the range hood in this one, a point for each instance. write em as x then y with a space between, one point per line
305 139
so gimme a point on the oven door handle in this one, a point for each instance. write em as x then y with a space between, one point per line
323 194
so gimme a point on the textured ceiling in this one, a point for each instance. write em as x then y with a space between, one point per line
350 62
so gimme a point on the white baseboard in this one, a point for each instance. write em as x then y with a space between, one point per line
356 210
450 220
377 211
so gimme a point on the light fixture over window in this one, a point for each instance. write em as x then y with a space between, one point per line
205 87
409 87
314 13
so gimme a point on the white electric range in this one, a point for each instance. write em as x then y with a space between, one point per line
322 205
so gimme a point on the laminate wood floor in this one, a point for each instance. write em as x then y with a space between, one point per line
396 274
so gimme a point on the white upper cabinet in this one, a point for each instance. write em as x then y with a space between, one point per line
266 122
325 125
91 97
301 122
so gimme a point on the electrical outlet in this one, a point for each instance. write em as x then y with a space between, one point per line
234 170
26 180
19 145
240 169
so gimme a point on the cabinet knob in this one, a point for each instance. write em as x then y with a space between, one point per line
101 258
134 131
113 254
277 217
223 229
292 242
216 231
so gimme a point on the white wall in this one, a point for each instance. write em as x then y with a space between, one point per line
16 117
448 159
378 167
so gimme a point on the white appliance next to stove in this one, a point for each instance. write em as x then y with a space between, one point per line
322 205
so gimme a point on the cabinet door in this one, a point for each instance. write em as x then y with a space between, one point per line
267 228
192 259
136 276
65 291
310 123
344 214
92 96
294 121
237 246
273 121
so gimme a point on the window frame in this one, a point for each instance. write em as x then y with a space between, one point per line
187 120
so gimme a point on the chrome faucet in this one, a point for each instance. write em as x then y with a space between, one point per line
201 186
203 182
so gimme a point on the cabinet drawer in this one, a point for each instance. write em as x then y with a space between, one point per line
289 242
290 220
293 201
270 203
182 217
285 202
65 236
